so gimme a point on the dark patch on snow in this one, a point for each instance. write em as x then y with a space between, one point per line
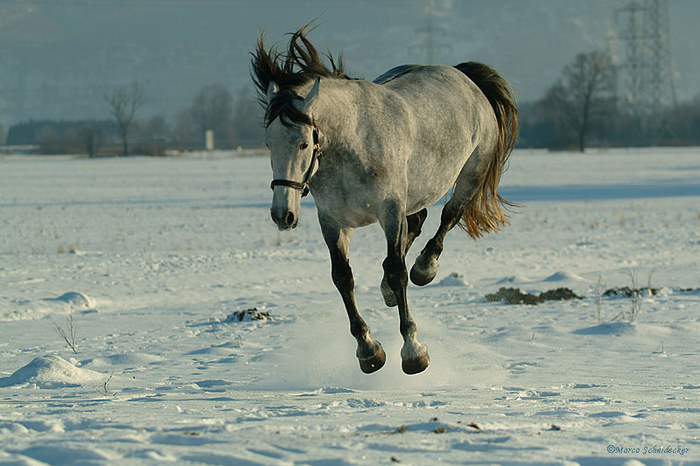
627 291
515 296
644 291
249 315
559 294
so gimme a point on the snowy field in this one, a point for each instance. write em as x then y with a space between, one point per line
151 258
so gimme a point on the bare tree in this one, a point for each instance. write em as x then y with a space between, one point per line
212 110
91 139
585 96
247 119
124 102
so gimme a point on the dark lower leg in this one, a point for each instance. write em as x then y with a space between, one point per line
414 226
413 354
369 352
426 265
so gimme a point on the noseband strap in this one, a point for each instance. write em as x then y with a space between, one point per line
289 184
304 185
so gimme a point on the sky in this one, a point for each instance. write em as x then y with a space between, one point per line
58 58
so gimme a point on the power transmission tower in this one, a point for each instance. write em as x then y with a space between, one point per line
430 46
647 64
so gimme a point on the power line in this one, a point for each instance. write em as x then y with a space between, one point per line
430 46
647 66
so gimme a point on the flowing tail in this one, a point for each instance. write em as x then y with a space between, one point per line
484 212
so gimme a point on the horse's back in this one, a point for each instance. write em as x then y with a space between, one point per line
451 117
421 78
437 94
395 72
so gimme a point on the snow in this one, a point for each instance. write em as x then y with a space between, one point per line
152 257
51 372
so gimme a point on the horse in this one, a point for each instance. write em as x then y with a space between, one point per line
383 151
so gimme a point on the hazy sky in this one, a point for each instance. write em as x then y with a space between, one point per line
59 57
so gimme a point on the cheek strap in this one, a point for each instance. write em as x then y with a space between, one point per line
304 185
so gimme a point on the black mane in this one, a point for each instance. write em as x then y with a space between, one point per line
300 65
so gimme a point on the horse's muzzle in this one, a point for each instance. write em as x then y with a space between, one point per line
285 219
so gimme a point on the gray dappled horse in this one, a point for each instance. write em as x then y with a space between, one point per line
383 151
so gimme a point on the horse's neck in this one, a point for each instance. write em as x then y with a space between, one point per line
337 114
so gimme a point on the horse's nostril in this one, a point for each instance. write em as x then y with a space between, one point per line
289 219
285 219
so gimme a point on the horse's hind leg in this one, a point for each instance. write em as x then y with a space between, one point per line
426 266
369 352
414 355
415 224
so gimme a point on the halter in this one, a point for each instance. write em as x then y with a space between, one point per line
304 185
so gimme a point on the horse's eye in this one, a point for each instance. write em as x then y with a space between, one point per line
303 145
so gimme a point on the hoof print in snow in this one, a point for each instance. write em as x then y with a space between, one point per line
515 296
250 315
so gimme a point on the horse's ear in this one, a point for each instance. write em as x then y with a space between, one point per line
313 93
272 90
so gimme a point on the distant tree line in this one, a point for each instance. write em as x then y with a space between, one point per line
581 109
60 137
234 122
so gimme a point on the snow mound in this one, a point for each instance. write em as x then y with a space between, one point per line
329 391
27 309
513 279
214 383
52 372
453 279
75 299
134 358
609 328
564 277
129 358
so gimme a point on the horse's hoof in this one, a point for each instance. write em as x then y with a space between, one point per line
389 295
374 362
422 273
415 366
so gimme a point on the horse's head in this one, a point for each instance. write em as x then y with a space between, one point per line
294 151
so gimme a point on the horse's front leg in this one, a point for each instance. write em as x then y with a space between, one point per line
414 355
369 352
415 224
